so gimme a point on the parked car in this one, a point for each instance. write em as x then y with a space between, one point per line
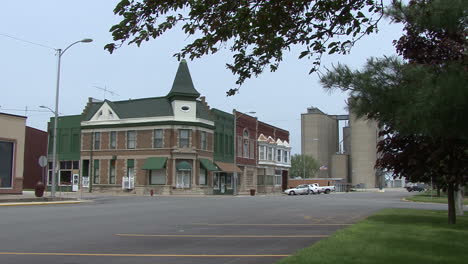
414 188
300 189
316 188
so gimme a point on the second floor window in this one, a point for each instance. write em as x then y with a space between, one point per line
203 143
97 140
278 155
113 140
285 156
184 138
158 138
261 151
270 153
131 139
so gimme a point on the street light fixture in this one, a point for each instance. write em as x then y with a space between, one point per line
235 145
60 52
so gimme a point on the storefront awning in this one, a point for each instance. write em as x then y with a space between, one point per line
208 165
154 163
228 167
184 165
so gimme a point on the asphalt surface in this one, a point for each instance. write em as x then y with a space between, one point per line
179 230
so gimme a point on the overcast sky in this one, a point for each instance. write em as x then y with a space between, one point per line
28 71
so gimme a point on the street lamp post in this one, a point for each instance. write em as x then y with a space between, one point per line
235 145
54 146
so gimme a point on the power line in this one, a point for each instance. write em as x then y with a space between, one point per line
27 41
26 109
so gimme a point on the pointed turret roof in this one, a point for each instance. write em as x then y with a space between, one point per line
183 86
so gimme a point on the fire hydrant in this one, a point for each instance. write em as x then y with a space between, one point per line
151 192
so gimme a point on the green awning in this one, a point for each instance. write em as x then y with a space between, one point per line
154 163
208 165
183 165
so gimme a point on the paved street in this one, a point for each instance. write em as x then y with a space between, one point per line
218 229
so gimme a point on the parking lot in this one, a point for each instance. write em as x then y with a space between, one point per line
222 229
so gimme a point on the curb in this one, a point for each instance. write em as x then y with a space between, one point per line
42 203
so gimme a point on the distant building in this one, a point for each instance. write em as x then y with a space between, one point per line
223 178
35 147
363 152
68 150
164 144
319 138
12 141
274 158
173 144
351 159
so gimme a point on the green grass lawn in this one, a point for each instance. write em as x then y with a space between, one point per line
426 198
393 236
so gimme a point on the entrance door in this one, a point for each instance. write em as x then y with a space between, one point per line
183 179
222 183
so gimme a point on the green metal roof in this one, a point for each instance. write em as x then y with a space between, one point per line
154 163
182 89
134 108
183 85
207 164
184 165
145 107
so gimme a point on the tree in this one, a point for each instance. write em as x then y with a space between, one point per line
421 103
303 165
256 31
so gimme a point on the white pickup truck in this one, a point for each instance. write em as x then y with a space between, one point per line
316 188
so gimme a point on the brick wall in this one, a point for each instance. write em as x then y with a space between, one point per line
105 140
85 141
144 138
250 123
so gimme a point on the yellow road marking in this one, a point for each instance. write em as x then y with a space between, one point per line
224 236
207 224
137 255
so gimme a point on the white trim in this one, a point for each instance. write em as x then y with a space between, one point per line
88 130
104 107
141 120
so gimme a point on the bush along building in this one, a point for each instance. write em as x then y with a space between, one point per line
174 144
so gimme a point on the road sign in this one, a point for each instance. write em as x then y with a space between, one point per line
42 161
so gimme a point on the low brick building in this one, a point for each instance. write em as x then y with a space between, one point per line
274 158
35 147
12 140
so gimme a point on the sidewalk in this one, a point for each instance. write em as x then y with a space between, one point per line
29 198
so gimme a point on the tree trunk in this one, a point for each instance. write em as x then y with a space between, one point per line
452 218
438 190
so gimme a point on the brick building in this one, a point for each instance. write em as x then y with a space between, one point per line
164 144
173 144
274 159
12 140
246 151
263 155
35 147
